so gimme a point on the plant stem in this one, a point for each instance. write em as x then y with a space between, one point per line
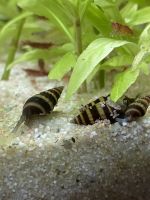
78 37
78 44
102 78
13 49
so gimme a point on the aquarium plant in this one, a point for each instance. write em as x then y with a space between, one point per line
89 37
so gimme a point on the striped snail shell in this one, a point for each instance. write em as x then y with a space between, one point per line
138 108
97 111
100 99
39 104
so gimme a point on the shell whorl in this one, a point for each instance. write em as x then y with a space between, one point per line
138 108
97 111
39 104
42 103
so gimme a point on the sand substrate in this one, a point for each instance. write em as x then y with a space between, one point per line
54 159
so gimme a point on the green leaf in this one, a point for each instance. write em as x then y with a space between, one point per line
110 8
128 10
104 3
12 22
88 60
31 55
67 7
51 10
122 82
98 19
83 8
4 38
145 35
64 65
144 47
142 3
93 73
118 61
37 54
145 68
6 7
140 17
138 58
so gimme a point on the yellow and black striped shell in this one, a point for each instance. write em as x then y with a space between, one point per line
42 103
123 104
100 99
39 104
138 108
97 111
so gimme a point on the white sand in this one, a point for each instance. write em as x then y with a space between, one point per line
44 163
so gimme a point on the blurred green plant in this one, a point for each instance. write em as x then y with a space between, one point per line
89 36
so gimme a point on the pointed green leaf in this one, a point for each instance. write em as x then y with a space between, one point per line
64 65
98 19
93 73
31 55
37 54
118 61
144 47
145 68
90 57
104 3
51 10
84 6
138 58
12 22
122 82
140 17
128 10
145 36
110 8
